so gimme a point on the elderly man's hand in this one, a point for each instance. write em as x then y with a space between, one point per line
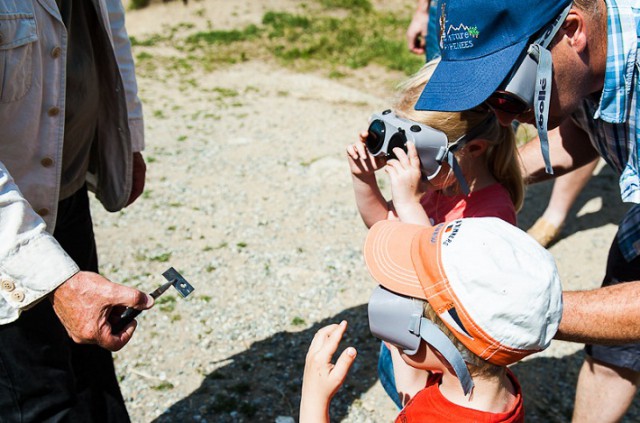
85 304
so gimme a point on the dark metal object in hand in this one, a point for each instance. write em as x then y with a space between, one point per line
174 278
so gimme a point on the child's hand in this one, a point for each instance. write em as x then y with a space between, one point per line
405 174
361 161
322 378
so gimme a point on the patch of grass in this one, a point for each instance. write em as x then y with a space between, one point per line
356 5
143 56
241 245
226 92
223 37
162 258
138 4
362 36
298 321
166 303
163 386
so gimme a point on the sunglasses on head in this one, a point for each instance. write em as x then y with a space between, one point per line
506 102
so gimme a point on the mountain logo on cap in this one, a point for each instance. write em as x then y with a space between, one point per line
456 37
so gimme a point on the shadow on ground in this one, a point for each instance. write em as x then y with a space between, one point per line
548 385
604 185
264 381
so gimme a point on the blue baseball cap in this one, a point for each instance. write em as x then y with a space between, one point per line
480 41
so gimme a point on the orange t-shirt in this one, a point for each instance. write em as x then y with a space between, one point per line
491 201
429 405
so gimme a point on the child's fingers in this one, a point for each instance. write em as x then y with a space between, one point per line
402 157
321 335
333 338
343 364
363 136
412 153
352 152
362 150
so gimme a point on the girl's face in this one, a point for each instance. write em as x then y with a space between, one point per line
444 179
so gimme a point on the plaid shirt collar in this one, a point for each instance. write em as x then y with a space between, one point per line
621 61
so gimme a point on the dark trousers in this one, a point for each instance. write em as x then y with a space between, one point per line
44 375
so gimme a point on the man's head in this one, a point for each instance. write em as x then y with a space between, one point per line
494 287
482 42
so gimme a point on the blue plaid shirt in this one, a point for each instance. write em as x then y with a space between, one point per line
613 124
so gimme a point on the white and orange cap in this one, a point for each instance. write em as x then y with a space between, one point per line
493 286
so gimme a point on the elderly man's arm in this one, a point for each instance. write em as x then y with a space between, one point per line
609 315
33 265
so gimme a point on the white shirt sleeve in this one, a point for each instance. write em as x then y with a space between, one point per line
32 263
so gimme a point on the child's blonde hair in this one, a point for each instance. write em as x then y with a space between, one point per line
501 155
476 365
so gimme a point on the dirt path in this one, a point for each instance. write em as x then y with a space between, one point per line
250 198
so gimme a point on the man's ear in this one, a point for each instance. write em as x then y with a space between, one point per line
477 147
575 29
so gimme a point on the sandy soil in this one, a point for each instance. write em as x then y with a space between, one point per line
250 198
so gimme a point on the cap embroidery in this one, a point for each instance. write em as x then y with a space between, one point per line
456 37
451 231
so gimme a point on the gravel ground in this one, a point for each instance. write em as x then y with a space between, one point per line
250 199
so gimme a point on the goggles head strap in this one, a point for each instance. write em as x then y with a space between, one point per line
431 333
542 94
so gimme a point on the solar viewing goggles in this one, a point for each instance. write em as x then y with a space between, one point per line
388 131
399 320
529 84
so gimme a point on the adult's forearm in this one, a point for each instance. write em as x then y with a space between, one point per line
609 315
569 149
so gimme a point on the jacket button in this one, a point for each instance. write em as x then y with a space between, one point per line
46 162
7 285
17 295
54 111
56 52
43 212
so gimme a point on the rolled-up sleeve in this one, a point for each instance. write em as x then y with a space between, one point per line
32 263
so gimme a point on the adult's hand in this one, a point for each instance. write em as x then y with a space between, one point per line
417 30
85 303
139 175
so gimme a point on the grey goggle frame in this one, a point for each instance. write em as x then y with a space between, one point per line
521 81
388 131
531 78
399 320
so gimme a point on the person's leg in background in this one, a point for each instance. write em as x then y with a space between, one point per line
566 189
432 47
609 377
